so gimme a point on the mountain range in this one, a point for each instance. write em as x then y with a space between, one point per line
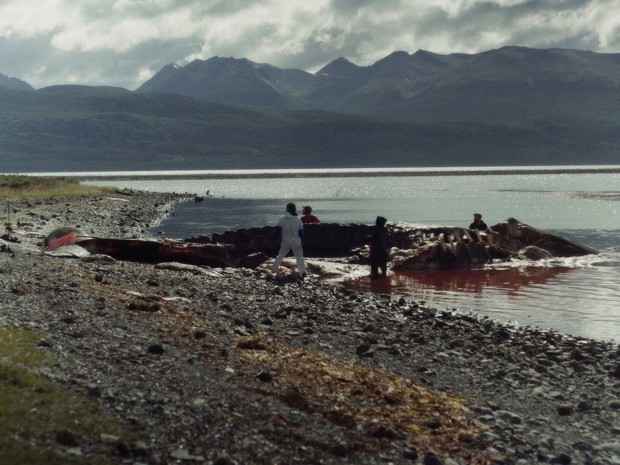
511 85
511 106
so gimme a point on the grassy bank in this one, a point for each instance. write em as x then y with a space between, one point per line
41 422
12 186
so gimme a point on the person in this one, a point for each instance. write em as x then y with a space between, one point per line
307 216
379 248
290 231
478 223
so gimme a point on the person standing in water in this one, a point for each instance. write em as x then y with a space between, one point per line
379 248
289 232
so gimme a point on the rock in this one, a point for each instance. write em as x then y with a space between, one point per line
94 390
584 406
614 404
411 454
224 461
556 395
564 410
265 377
580 445
156 349
183 454
562 459
508 417
364 350
108 438
139 449
431 459
66 438
613 447
385 433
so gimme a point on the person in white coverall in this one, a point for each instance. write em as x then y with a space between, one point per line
290 231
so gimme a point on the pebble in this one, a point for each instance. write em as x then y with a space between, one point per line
508 417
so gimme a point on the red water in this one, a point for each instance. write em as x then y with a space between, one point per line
577 301
505 281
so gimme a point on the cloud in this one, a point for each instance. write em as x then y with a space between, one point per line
124 42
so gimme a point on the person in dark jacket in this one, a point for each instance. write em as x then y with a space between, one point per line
379 248
478 223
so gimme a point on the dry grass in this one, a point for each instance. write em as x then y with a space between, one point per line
12 186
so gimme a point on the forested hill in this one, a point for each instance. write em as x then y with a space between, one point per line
73 128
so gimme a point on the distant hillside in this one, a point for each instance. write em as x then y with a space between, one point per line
14 82
511 85
74 128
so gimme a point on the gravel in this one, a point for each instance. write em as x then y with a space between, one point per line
230 366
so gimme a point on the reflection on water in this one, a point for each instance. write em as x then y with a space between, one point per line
576 301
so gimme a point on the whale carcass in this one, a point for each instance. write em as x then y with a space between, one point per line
413 247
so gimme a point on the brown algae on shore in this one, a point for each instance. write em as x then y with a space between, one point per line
375 409
375 406
40 421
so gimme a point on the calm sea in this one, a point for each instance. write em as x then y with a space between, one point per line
577 296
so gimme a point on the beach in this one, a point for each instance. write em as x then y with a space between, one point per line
229 366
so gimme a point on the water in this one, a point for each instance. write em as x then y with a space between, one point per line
576 296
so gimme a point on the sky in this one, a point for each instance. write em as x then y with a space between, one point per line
125 42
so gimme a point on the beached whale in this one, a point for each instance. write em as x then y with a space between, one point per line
413 247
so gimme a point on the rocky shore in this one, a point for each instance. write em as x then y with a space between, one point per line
228 366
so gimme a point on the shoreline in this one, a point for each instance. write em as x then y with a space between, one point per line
223 366
343 173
